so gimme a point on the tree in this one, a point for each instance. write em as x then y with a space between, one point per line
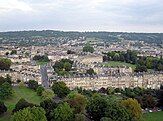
2 80
32 84
105 58
63 112
90 71
60 89
63 66
49 105
8 79
5 64
47 94
39 90
21 104
133 107
147 101
5 90
96 107
80 117
13 52
77 102
3 108
102 90
30 114
67 66
110 90
41 58
88 48
116 112
141 68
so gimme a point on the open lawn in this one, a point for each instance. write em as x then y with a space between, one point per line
155 116
117 63
19 92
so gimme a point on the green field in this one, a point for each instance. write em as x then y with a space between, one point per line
21 92
155 116
117 63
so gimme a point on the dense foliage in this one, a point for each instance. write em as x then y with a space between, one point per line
63 112
5 64
32 84
142 63
5 90
88 48
30 114
41 58
27 37
60 89
90 71
63 67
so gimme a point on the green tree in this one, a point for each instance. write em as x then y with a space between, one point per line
88 48
60 89
90 71
80 117
13 52
77 102
141 68
39 90
30 114
47 94
67 66
63 113
5 90
96 107
110 90
8 79
133 107
49 105
5 64
116 112
32 84
63 66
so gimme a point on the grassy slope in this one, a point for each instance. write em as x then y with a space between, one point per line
116 63
22 92
155 116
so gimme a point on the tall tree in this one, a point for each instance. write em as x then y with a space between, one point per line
63 113
30 114
133 107
60 89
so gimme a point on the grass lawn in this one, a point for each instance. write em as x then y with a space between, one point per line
117 63
19 92
155 116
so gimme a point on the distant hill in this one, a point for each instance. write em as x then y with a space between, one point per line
52 35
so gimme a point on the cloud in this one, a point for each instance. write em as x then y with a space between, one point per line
110 15
10 5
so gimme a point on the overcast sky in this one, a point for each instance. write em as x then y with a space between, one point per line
82 15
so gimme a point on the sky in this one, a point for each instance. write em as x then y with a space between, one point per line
82 15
